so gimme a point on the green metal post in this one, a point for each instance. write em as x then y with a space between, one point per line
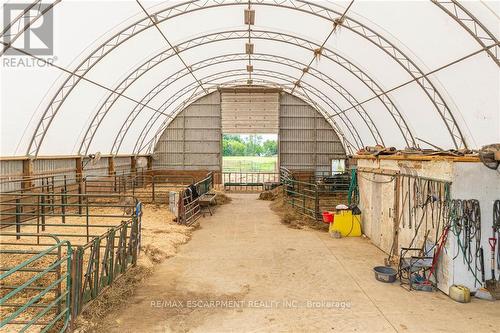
18 218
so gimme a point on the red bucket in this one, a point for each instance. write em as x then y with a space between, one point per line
327 217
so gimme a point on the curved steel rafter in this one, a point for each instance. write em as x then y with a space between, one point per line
242 57
192 91
260 73
472 25
191 6
243 34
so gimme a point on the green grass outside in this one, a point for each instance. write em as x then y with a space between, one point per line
249 163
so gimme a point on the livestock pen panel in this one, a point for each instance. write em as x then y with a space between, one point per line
103 232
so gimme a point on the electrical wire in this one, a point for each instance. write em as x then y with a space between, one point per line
379 182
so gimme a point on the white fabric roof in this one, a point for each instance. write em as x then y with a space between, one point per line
390 73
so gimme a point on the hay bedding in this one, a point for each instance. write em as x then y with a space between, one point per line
288 215
12 260
221 198
160 240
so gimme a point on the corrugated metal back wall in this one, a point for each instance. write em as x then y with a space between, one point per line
63 167
192 141
10 170
306 140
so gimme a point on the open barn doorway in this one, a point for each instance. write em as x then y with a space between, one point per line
250 127
250 153
249 161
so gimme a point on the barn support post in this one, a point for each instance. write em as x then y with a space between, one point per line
79 180
27 174
111 166
133 165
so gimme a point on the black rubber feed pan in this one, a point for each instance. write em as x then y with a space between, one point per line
385 274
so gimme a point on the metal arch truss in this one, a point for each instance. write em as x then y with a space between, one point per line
23 21
258 81
201 65
242 57
243 34
185 91
141 146
195 5
472 25
225 59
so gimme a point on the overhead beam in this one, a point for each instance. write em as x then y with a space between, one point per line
155 91
297 41
184 8
267 74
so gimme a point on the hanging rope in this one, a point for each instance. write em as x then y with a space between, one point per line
465 222
353 195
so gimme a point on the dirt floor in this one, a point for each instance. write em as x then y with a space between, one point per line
244 271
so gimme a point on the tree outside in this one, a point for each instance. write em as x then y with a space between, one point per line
250 153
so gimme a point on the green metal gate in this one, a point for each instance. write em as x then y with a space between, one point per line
36 285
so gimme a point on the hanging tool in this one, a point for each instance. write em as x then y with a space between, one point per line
481 254
496 228
493 243
465 221
440 245
409 202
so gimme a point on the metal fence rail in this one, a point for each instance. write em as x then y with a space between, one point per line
102 260
44 183
79 212
105 231
323 191
147 188
189 205
303 197
36 285
249 181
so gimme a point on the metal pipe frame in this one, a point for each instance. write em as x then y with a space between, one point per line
472 25
195 5
241 34
189 88
240 57
266 74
